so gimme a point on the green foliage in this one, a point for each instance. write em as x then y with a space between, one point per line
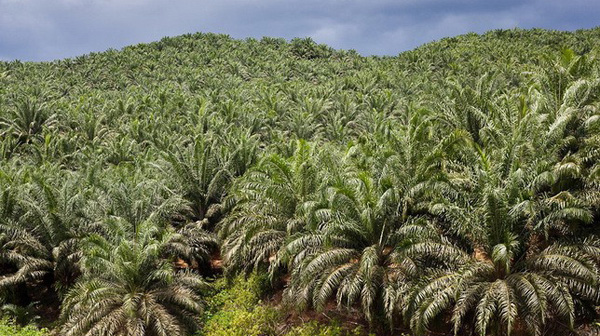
236 309
260 320
269 204
9 329
239 292
20 315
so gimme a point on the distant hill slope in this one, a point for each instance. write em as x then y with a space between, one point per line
202 63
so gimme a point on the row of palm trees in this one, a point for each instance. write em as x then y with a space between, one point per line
416 190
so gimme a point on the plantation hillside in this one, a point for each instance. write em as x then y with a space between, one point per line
202 185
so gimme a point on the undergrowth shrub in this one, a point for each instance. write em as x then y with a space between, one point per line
236 309
8 328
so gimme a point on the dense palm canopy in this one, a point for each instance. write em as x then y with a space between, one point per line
452 189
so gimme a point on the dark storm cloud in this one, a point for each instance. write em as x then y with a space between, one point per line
46 30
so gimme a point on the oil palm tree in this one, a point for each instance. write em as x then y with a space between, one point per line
128 206
502 290
129 289
26 119
267 205
498 283
352 255
201 173
43 242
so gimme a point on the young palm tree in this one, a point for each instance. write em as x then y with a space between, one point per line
129 289
26 120
353 254
43 242
268 205
201 174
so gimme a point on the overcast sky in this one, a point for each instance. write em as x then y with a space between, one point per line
35 30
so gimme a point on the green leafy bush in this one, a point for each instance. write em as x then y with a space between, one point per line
9 329
236 309
260 320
